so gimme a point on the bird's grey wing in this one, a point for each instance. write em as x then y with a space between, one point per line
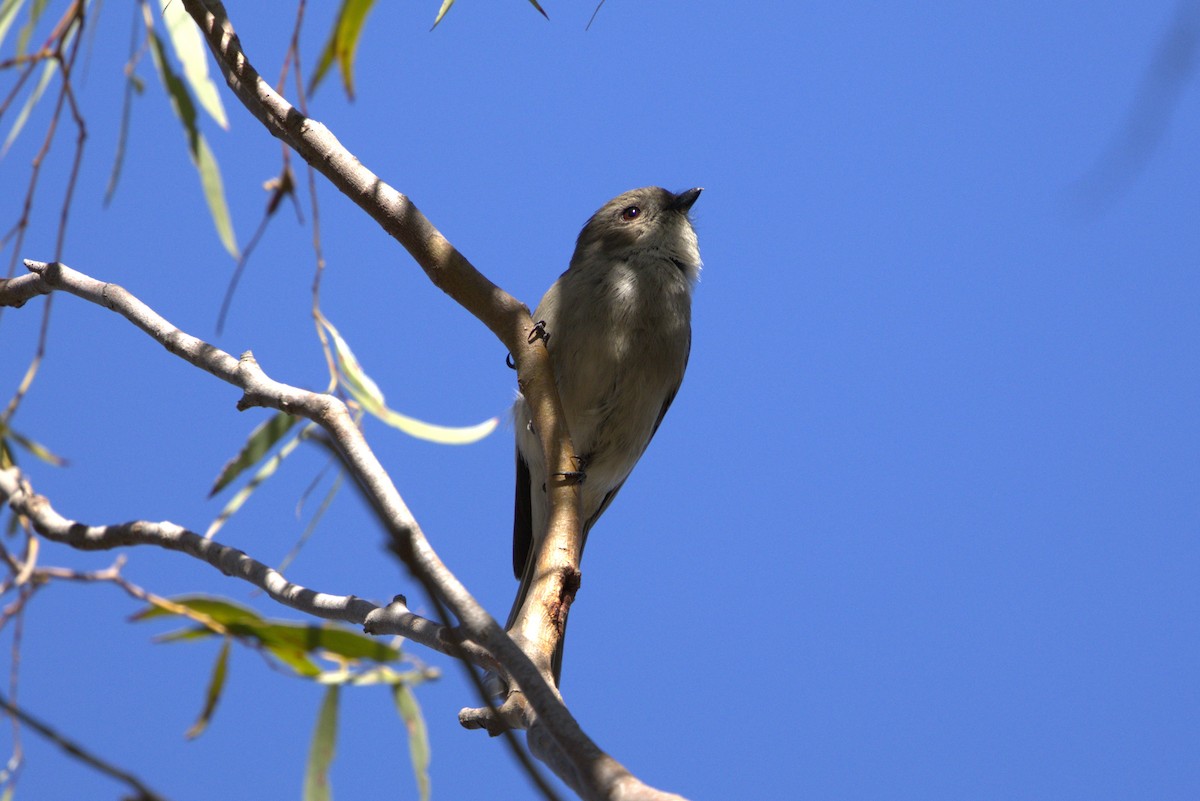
687 354
522 518
663 412
612 493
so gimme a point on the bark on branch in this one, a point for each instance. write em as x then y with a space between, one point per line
449 270
395 618
554 735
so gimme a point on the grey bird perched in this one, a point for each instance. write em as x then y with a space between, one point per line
618 326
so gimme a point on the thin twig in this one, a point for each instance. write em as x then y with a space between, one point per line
135 55
67 93
556 735
450 271
76 750
392 619
592 19
17 758
510 739
1172 66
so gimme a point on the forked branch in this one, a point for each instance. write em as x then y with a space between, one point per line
449 270
554 735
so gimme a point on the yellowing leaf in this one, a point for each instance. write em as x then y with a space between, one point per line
8 13
442 11
193 55
367 393
320 752
355 379
418 736
35 13
202 157
214 193
342 46
49 67
443 435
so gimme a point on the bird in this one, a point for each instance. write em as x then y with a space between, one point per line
617 325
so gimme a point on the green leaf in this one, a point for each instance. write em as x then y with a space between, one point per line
188 634
292 657
342 46
214 194
289 642
345 643
193 55
215 685
218 609
368 394
8 13
352 645
38 450
541 10
285 650
320 753
324 62
202 157
418 737
35 13
267 470
261 439
49 67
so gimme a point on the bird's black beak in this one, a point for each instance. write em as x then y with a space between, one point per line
684 200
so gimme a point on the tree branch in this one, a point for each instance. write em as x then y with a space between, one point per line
554 735
17 291
395 618
450 271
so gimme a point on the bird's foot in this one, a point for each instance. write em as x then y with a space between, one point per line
577 475
539 332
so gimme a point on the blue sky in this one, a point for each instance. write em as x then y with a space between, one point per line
922 521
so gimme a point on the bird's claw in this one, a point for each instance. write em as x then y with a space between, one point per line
539 332
571 477
576 476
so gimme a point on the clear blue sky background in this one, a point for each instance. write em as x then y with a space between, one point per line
923 521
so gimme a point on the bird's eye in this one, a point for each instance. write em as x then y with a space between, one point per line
630 213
